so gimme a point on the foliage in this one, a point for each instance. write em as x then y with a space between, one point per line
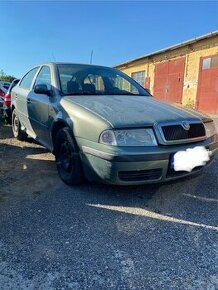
6 78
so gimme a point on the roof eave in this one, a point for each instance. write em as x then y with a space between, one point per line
173 47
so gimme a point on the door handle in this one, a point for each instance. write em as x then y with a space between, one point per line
28 101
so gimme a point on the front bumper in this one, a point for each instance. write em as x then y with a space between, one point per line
136 165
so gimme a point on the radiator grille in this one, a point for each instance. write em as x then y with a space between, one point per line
177 132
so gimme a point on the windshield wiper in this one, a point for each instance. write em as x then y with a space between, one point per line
106 94
79 94
122 94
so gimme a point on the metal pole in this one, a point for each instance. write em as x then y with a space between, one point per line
91 56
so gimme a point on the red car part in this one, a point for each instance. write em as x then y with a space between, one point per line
2 93
7 100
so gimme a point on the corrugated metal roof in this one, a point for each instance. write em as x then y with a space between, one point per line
181 44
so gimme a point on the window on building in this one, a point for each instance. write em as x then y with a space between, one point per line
139 77
210 62
214 61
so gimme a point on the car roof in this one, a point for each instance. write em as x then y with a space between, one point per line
72 63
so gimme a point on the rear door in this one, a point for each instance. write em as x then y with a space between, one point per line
19 96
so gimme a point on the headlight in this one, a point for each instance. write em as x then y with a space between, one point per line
210 129
130 137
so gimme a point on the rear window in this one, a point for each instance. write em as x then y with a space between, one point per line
6 86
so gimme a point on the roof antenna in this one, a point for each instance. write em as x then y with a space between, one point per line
91 56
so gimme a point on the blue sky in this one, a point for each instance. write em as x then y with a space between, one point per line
117 31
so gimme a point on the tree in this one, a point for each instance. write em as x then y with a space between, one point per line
6 78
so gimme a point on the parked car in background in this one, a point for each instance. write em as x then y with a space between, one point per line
2 94
5 85
102 124
7 102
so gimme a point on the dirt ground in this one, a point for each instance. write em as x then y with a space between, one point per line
24 166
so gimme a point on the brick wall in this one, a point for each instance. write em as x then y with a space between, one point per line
192 52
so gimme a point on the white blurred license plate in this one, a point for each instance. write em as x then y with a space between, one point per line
190 158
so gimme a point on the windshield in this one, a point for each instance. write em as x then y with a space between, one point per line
94 80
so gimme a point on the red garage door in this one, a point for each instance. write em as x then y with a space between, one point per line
168 80
207 96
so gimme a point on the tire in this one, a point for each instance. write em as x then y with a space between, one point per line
67 158
16 127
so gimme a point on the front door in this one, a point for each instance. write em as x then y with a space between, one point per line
38 107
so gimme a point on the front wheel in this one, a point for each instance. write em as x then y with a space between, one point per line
16 127
67 158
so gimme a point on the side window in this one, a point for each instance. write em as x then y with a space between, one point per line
44 77
28 79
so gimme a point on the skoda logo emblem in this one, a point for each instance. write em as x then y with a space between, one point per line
185 125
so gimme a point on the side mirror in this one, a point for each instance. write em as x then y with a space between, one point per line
42 89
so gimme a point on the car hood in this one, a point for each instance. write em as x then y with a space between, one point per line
132 111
